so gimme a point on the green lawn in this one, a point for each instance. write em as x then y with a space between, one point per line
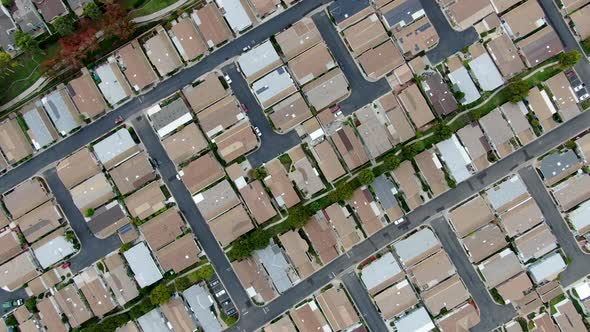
25 74
150 6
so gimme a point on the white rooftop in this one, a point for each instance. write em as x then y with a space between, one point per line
272 85
235 14
142 264
415 245
53 251
455 157
580 216
380 270
506 192
114 145
463 81
415 321
547 268
258 58
109 85
486 73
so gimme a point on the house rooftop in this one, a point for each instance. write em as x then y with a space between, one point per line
238 14
185 143
201 172
380 60
115 148
200 302
572 191
161 52
416 106
557 166
163 229
40 130
337 308
431 271
254 279
365 34
237 141
505 194
25 197
72 305
309 317
179 255
416 247
564 96
211 25
52 248
396 299
349 11
142 264
112 83
61 110
311 64
273 87
455 157
290 112
466 13
328 161
133 173
220 116
51 9
9 245
484 242
186 38
207 91
448 294
216 200
524 19
401 13
273 260
439 94
461 78
92 193
296 248
282 325
13 141
231 225
515 288
85 95
135 66
39 221
505 56
540 46
417 320
535 243
521 217
326 90
580 218
258 61
152 321
500 267
77 167
167 118
350 147
257 201
431 168
547 268
485 72
461 319
146 201
107 219
417 37
178 315
302 35
98 296
323 238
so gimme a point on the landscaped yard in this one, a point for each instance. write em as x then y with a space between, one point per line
25 74
150 6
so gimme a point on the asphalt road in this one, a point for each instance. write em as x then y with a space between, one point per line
188 208
164 89
556 21
363 303
491 313
258 317
362 91
451 40
273 144
91 247
580 262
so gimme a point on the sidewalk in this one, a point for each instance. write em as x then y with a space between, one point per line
160 13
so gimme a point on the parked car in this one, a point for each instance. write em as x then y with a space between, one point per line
258 133
227 79
244 108
12 304
119 120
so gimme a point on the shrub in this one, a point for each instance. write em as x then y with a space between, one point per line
182 283
89 212
125 247
571 145
517 91
366 177
259 173
160 294
569 59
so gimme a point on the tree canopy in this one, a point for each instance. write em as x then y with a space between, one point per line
26 43
517 91
569 59
92 11
160 294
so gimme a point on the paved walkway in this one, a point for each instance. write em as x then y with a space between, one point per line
160 13
40 83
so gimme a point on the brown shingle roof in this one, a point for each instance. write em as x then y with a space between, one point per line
179 254
77 167
161 52
231 225
133 173
298 38
185 36
237 141
381 60
212 25
25 197
163 229
206 92
13 141
311 63
185 143
258 202
201 172
135 66
470 216
86 95
146 201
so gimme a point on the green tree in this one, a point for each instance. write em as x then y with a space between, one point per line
125 246
366 177
6 62
517 91
259 173
70 236
569 59
64 25
92 10
298 216
442 132
459 95
31 304
7 3
204 273
89 212
160 294
10 320
26 43
391 162
571 145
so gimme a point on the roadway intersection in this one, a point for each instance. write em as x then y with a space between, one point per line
363 92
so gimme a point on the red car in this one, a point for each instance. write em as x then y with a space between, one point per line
245 108
119 119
